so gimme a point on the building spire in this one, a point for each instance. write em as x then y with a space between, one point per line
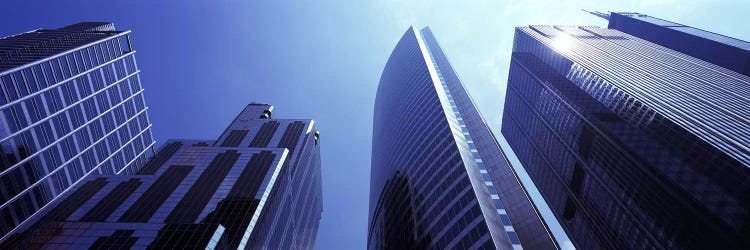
597 13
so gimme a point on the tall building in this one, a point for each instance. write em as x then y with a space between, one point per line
257 187
633 145
439 179
71 105
724 51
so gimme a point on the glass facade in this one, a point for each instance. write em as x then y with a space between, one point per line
71 105
222 194
724 51
633 145
439 179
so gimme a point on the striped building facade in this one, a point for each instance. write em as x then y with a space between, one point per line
71 105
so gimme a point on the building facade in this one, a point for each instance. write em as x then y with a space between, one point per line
724 51
71 105
439 179
632 144
257 187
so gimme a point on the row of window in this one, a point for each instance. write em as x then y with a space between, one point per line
73 128
81 91
42 75
53 160
710 103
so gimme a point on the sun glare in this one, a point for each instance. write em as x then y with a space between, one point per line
563 41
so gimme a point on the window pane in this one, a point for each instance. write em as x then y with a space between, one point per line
10 88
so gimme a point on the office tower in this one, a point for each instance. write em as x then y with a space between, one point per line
71 104
439 179
632 144
257 187
724 51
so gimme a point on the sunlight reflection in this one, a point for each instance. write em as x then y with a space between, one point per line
562 41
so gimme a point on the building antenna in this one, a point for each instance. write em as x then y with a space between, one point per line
597 13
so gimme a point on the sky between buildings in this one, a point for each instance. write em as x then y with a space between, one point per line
201 62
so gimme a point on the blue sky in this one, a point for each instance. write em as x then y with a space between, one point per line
202 62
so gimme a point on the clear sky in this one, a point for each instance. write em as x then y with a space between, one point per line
201 62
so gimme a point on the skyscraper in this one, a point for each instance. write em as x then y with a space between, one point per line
439 178
257 187
632 144
71 104
724 51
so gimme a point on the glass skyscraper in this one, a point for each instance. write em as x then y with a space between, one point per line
71 105
634 145
257 187
439 179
